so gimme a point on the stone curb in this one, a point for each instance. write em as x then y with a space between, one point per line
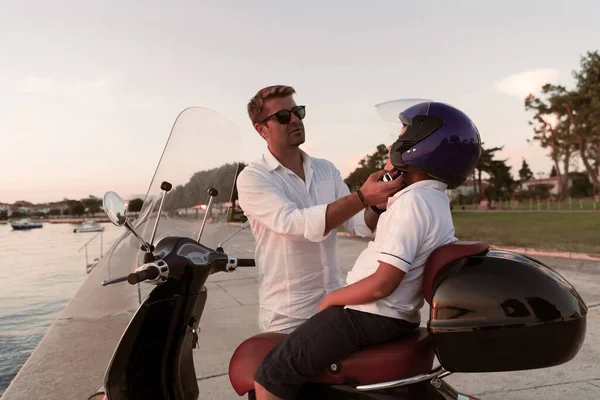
528 251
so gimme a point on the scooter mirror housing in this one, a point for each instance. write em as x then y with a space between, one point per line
115 209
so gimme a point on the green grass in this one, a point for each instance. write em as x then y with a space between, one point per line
543 205
554 231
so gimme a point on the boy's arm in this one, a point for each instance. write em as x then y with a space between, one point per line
402 242
380 284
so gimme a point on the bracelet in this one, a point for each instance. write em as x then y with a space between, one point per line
362 198
377 210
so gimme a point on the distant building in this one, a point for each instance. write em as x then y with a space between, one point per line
551 181
6 208
62 206
466 189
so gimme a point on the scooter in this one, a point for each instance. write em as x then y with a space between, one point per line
490 310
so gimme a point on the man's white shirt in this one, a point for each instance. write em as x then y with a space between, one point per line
297 265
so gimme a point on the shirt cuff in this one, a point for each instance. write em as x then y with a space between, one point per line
394 260
314 223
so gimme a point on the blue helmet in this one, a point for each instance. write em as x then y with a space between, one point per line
440 140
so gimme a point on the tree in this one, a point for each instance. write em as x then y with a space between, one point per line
502 183
92 204
582 186
75 207
135 205
485 164
575 117
369 164
584 113
525 173
78 209
552 129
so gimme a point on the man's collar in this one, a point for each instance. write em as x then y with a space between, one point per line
272 163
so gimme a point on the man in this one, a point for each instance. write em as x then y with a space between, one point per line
383 295
294 204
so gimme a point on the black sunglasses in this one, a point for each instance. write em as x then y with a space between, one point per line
284 116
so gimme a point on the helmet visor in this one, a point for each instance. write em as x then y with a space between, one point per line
402 111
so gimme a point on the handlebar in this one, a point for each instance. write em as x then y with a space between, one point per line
246 262
158 270
150 273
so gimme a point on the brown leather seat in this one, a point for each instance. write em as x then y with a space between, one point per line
397 359
444 255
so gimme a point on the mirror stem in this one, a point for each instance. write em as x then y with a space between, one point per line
146 247
244 226
212 192
165 187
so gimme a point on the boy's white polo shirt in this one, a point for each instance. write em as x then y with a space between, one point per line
417 221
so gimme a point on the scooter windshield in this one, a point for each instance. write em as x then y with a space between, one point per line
202 153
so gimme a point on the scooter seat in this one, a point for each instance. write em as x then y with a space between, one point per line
443 256
397 359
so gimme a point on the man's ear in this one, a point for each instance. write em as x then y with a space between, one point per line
261 129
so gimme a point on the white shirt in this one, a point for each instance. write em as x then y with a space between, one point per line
296 264
417 221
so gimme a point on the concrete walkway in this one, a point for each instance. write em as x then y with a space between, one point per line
70 361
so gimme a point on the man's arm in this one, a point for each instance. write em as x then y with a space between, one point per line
373 192
362 224
342 210
263 200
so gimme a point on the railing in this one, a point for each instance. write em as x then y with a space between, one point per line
90 266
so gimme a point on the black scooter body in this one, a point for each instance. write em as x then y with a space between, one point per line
163 330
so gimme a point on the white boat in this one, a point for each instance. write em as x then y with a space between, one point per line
25 224
89 226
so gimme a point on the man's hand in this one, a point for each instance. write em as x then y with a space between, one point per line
377 192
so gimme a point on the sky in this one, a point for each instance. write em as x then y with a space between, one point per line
89 90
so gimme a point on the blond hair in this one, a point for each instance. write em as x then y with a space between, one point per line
256 104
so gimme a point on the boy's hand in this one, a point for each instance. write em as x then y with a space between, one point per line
326 303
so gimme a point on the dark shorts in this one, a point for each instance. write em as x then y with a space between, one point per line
325 338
